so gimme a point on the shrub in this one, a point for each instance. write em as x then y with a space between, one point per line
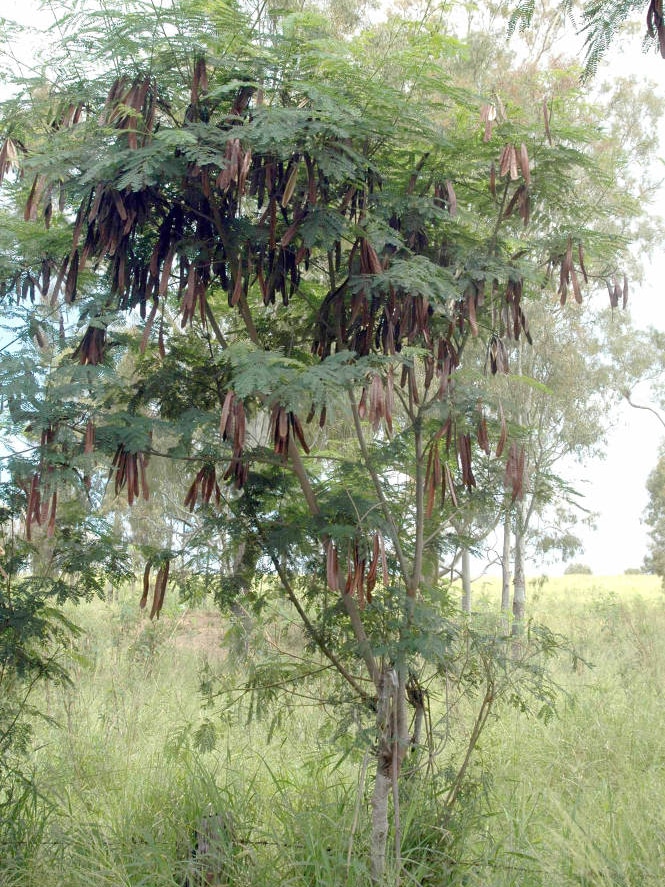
577 570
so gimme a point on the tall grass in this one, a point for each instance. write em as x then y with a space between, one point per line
132 763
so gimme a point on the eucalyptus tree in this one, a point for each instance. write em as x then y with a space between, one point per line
654 517
291 247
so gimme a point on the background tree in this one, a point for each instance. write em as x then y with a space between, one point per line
655 518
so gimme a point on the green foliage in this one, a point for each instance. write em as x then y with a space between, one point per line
36 579
577 569
600 20
655 518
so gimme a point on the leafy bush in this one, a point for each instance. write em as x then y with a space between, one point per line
578 570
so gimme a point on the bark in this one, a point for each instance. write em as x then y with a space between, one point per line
519 582
379 841
393 742
505 572
466 580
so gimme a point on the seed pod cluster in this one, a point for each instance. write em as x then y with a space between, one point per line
130 108
464 455
497 355
445 197
617 292
42 497
232 428
381 401
655 24
568 274
522 201
283 425
41 510
488 118
514 475
514 162
362 568
130 471
204 486
159 592
91 350
9 157
514 318
438 475
482 435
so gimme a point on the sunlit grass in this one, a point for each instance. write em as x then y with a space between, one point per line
126 777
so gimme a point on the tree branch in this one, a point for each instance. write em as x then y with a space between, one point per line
385 508
638 406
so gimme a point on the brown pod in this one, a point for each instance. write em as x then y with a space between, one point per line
146 586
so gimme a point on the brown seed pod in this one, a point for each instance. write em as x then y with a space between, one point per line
503 434
290 186
89 439
546 119
332 566
514 475
298 431
146 585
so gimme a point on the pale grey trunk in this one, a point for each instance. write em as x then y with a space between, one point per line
466 580
519 582
505 569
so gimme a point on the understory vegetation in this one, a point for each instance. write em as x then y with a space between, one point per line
139 749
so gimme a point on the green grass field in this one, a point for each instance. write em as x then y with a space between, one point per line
131 761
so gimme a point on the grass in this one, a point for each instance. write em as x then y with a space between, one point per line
126 772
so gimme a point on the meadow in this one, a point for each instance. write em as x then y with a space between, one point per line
133 756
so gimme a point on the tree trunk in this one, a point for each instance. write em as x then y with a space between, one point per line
466 580
379 841
505 572
519 582
393 742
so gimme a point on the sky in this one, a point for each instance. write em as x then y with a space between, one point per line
613 487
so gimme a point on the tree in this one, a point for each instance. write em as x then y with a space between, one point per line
577 569
563 398
230 223
601 22
655 518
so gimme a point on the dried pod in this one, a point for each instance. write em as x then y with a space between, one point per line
290 186
89 439
514 475
146 586
332 566
452 199
503 434
546 120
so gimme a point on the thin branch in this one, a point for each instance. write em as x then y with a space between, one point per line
309 625
414 582
385 507
638 406
212 320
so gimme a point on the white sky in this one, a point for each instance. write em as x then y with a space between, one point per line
615 486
